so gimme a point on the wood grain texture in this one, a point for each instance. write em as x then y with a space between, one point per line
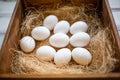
109 20
108 76
12 39
115 6
6 9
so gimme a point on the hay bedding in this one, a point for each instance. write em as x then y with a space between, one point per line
100 45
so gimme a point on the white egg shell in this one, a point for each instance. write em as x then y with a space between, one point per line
59 40
62 57
81 56
50 21
78 26
40 33
27 44
62 26
45 53
80 39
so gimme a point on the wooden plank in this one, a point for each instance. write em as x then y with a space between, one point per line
119 32
108 19
4 21
11 38
109 76
117 19
1 39
114 3
6 7
115 6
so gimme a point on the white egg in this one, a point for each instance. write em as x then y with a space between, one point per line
50 21
80 39
27 44
78 26
59 40
45 53
40 33
81 56
62 57
62 26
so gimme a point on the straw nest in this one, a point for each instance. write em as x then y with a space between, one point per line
100 45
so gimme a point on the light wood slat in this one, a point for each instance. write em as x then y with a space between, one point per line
4 21
6 7
117 19
114 3
119 33
115 6
1 39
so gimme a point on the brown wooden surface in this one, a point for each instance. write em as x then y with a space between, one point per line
12 39
109 22
38 2
46 76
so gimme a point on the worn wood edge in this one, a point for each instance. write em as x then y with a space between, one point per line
114 29
114 26
9 28
12 40
35 76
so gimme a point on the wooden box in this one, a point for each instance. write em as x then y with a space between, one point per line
11 39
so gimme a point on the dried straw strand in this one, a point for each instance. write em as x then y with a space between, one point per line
100 45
